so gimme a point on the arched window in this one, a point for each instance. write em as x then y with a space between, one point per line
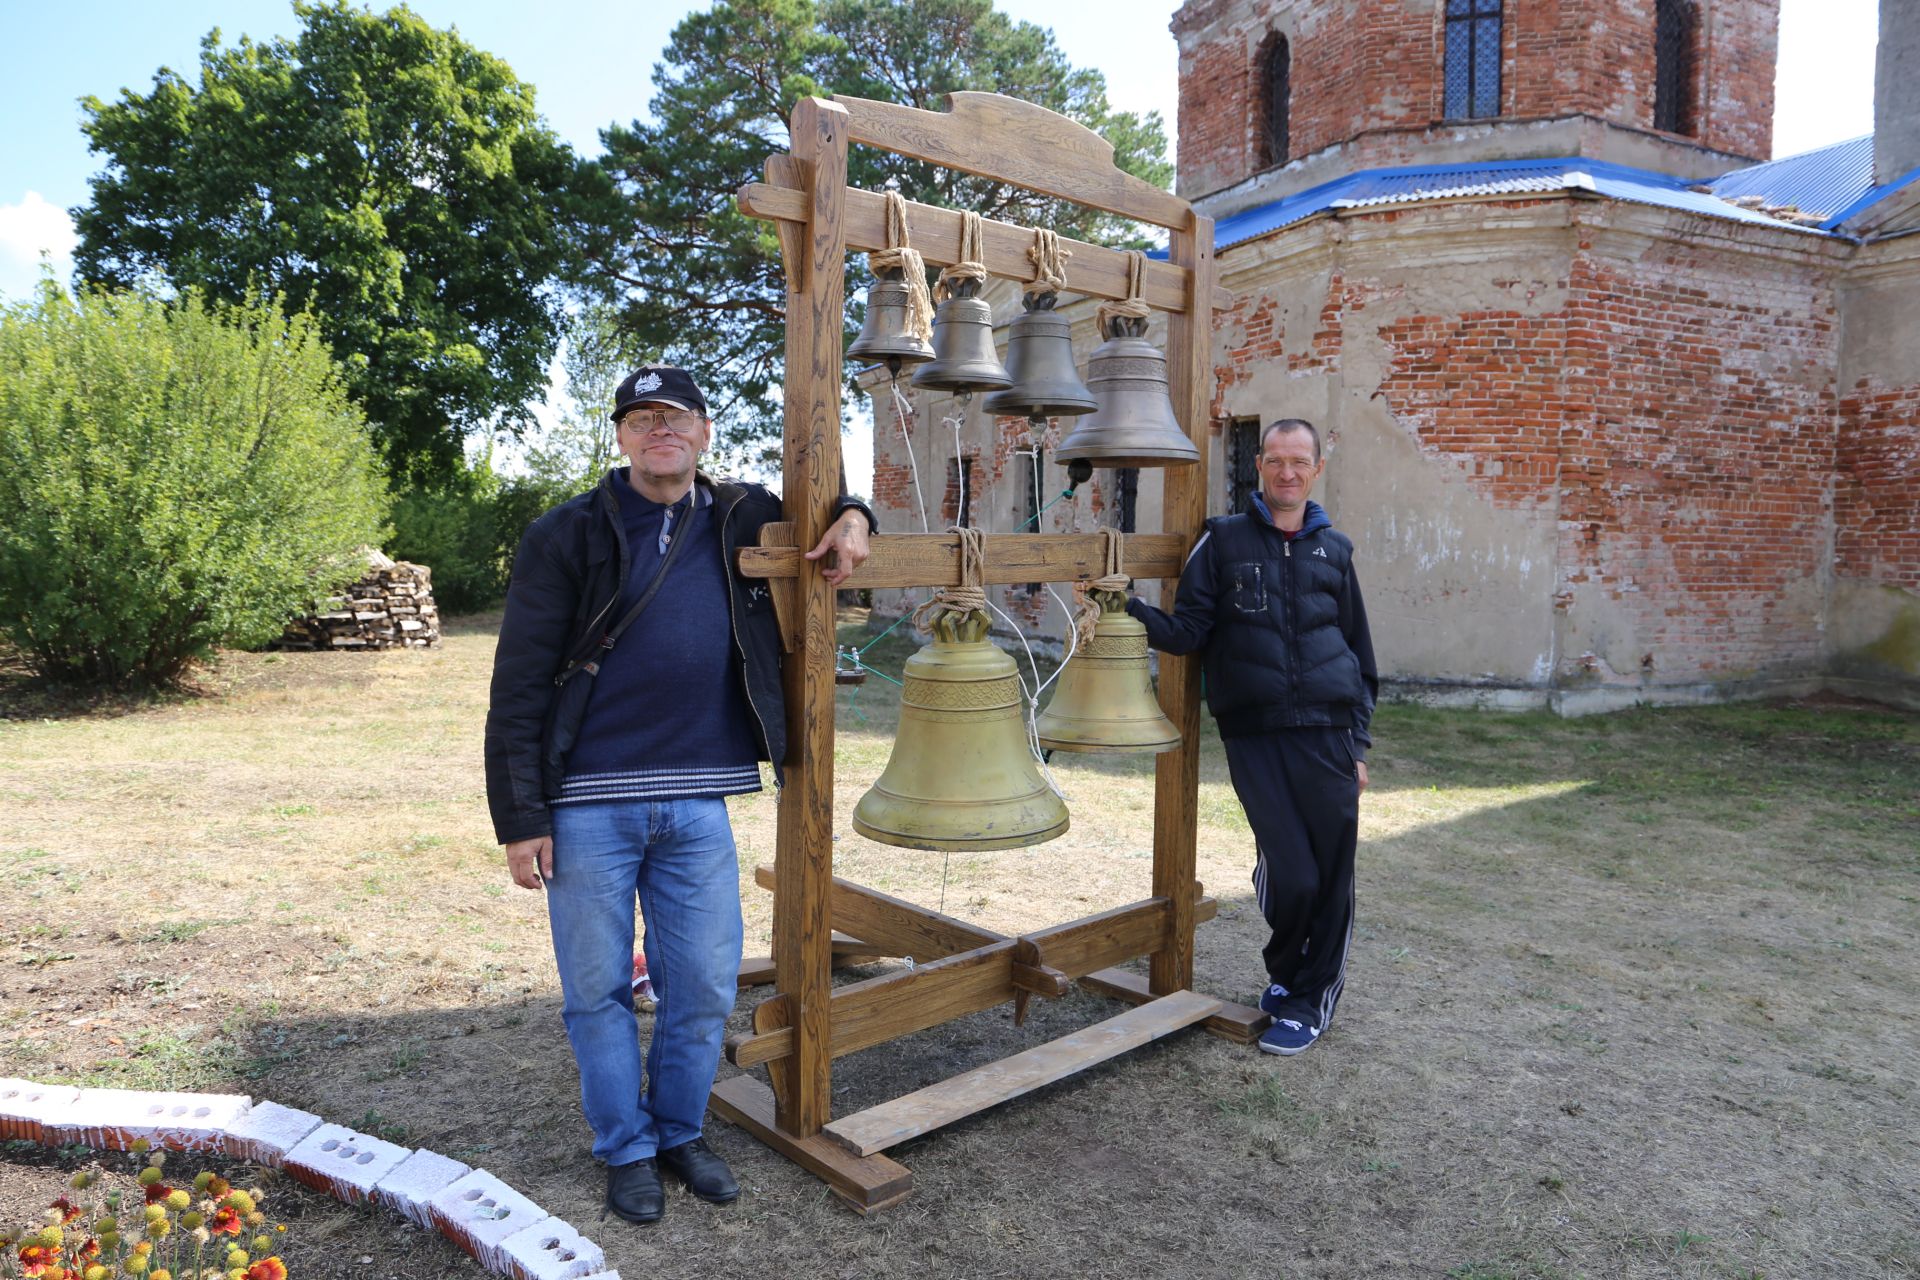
1275 69
1473 59
1676 30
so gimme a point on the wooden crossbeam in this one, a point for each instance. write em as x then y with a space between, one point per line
933 559
869 1132
869 1183
757 971
1082 946
1241 1023
892 925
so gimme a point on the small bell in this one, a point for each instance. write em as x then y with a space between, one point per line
1135 425
886 336
1040 362
963 356
1104 699
961 775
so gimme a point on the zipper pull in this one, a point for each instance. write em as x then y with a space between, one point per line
1286 549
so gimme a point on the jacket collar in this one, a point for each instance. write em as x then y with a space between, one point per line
1316 519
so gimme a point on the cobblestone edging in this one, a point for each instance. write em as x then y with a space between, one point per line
499 1228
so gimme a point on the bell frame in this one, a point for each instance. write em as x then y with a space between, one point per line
819 920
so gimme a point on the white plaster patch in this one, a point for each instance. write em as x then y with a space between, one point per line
267 1132
40 1113
114 1119
342 1163
550 1250
479 1212
416 1181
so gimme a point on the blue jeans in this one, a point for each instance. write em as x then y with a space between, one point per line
678 857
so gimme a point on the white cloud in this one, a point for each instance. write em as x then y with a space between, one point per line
27 230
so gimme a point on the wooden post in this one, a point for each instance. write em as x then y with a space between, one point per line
803 851
1177 772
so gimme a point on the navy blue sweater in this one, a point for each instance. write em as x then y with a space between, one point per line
669 717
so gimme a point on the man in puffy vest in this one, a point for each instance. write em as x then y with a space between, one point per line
1269 597
636 685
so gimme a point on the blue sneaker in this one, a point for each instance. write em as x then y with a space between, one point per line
1287 1037
1273 1001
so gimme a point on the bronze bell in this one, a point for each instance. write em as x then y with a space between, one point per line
961 775
963 356
1103 700
886 336
1040 362
1134 425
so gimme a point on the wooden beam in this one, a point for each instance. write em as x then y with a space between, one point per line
1094 270
1018 142
803 850
885 1008
1241 1023
874 1130
758 971
869 1183
892 925
785 587
933 559
1082 946
1176 776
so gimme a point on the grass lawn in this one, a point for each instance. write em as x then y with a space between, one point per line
1636 995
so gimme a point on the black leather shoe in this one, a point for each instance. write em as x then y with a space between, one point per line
634 1191
705 1173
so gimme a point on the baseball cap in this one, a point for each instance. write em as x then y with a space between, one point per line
658 384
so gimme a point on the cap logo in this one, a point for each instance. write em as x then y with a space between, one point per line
646 382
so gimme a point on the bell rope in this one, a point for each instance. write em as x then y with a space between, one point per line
900 254
971 595
1086 609
973 256
1134 307
1049 261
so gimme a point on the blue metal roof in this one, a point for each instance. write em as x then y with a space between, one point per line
1834 181
1496 177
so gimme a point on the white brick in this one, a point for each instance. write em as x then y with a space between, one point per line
39 1113
417 1180
551 1250
266 1131
344 1164
479 1212
114 1119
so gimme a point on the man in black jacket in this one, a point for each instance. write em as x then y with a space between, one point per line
635 686
1270 596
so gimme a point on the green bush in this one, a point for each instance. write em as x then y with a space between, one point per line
467 531
173 477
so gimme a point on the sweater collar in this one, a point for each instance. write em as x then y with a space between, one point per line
1316 517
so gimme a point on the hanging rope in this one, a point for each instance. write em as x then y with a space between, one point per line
1049 261
901 255
973 256
971 595
1134 307
1086 610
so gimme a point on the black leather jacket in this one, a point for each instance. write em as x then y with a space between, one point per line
567 580
1282 625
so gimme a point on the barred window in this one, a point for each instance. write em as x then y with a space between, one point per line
1676 31
1275 69
957 507
1473 59
1243 462
1126 498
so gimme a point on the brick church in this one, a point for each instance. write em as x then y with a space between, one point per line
1617 410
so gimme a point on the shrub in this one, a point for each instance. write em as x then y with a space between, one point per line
467 531
174 477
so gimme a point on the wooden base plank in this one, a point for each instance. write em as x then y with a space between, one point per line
868 1183
1241 1023
874 1130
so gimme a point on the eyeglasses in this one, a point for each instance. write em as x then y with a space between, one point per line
682 422
1288 464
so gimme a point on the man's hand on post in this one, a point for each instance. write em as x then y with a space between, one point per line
847 541
530 862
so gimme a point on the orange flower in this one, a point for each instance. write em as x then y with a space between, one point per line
226 1222
90 1250
158 1191
267 1269
36 1259
68 1209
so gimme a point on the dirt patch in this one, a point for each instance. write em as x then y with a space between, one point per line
1631 995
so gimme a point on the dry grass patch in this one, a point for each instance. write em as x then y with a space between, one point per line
1631 996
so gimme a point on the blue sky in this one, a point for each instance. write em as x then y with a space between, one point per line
591 62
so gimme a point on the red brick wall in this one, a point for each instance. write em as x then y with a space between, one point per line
1877 486
1361 65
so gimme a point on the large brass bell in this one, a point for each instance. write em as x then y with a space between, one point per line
1040 362
886 335
1103 700
963 356
1134 425
961 775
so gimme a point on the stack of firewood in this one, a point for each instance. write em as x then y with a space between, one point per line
392 605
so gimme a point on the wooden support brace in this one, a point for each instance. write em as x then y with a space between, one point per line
1240 1023
892 925
869 1183
757 971
1082 946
